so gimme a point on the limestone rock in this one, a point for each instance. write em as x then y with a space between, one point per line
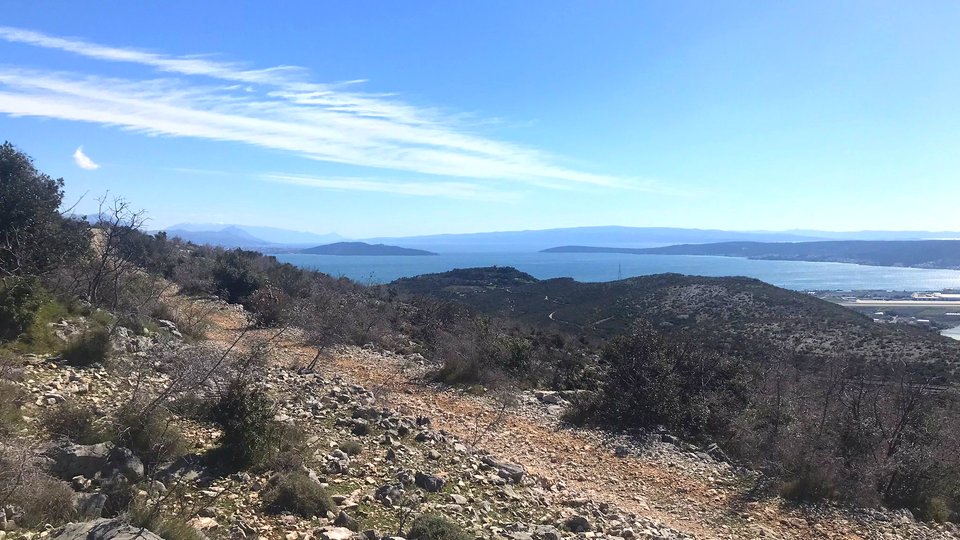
429 482
102 529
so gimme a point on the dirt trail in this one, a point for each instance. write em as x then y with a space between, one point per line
689 499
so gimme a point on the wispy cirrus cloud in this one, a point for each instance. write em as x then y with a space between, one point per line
451 190
83 161
280 109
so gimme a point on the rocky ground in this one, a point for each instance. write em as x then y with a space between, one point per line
389 446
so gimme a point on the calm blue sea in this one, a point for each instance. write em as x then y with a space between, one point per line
801 276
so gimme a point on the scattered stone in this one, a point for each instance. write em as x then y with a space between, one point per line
344 520
429 482
90 505
509 471
72 460
336 533
102 529
546 532
577 524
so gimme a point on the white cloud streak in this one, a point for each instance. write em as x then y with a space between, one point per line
451 190
279 109
83 161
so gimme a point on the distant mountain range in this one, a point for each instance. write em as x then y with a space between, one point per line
248 236
907 253
362 248
629 237
273 239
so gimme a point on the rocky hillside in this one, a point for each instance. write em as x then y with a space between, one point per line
387 448
733 314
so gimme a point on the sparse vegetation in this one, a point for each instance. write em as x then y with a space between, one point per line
297 493
249 433
436 527
351 447
152 434
164 526
24 486
11 417
75 422
90 347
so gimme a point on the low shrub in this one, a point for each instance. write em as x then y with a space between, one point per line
40 338
91 347
37 497
653 381
11 416
166 527
152 435
351 447
121 495
436 527
270 305
192 406
192 319
74 421
43 500
288 461
20 300
808 485
246 416
297 493
474 352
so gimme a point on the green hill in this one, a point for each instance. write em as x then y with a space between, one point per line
731 314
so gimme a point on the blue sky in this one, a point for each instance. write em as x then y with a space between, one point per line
390 118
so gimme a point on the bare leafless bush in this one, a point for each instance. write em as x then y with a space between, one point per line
856 431
79 423
36 497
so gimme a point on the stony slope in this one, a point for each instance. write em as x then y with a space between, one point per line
500 471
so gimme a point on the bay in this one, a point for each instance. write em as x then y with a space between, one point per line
953 333
594 267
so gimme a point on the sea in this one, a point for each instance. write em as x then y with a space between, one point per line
596 267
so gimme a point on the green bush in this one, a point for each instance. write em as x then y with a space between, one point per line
297 493
249 433
436 527
37 237
234 275
152 435
652 381
11 416
76 422
20 300
351 447
91 347
40 338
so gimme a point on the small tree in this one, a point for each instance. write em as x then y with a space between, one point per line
34 237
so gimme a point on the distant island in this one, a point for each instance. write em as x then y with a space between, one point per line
902 253
362 248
